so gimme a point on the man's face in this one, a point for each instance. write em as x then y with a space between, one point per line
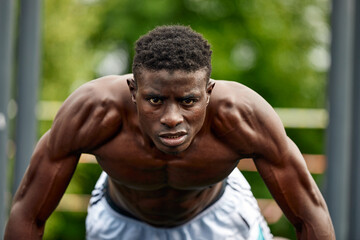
171 106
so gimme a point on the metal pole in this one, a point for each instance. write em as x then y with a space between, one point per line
28 73
354 231
340 112
6 60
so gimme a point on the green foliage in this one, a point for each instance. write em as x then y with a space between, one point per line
65 226
263 44
67 59
275 47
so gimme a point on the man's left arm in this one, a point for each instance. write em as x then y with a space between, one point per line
250 126
297 194
284 171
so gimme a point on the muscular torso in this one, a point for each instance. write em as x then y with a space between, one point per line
158 188
164 190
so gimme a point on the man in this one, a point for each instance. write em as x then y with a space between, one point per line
169 154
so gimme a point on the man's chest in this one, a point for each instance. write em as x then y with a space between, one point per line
130 161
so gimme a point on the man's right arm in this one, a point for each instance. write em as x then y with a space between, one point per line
87 119
40 191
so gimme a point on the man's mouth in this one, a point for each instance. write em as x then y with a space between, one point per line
173 139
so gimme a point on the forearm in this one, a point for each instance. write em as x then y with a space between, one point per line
306 209
301 201
25 232
39 192
318 226
20 227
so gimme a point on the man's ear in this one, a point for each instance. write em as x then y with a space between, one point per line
210 86
133 88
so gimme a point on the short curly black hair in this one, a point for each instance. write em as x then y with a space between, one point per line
172 48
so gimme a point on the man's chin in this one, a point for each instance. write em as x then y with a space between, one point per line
172 150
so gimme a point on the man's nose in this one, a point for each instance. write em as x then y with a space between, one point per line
172 116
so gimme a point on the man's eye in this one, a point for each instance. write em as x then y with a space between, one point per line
155 101
188 102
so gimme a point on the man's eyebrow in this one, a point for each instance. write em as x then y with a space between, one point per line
153 95
192 95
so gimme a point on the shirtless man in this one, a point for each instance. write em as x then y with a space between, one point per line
169 139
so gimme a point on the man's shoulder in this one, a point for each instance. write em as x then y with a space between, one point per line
112 78
234 105
109 84
230 94
101 96
92 114
101 91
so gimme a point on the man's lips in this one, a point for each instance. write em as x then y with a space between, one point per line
173 139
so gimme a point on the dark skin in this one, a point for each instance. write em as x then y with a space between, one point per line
166 148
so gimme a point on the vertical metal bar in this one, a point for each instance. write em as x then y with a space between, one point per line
339 130
354 231
6 60
28 73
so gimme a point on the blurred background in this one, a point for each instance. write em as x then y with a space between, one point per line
279 48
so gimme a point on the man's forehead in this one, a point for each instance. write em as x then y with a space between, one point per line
146 74
177 83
